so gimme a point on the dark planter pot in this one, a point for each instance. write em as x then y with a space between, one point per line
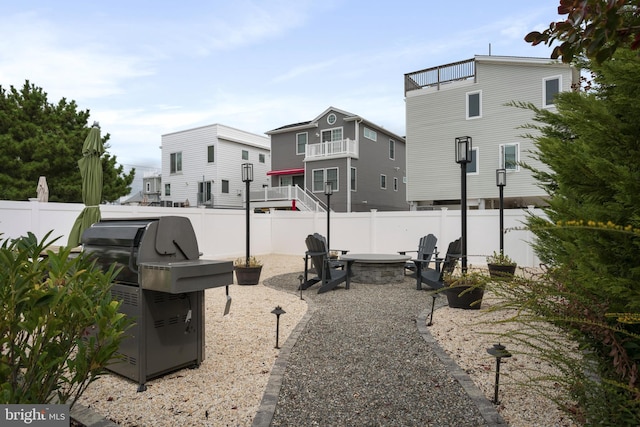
470 300
248 275
501 271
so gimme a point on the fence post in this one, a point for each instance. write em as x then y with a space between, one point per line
372 231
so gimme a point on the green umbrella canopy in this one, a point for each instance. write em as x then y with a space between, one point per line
91 170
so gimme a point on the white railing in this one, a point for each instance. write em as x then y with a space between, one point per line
343 147
305 201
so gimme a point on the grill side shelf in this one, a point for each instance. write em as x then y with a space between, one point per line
185 276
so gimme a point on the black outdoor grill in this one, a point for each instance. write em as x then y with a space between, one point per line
161 286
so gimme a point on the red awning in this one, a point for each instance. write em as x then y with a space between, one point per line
297 171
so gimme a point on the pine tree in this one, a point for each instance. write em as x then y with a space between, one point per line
39 138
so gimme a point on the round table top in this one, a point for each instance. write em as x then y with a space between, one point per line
375 258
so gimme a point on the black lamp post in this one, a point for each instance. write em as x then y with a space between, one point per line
247 177
328 191
501 182
463 157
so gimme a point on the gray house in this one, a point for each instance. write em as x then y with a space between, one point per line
364 163
468 98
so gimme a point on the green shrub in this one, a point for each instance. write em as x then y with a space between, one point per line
59 326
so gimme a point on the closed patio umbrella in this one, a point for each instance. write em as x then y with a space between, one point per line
42 190
91 170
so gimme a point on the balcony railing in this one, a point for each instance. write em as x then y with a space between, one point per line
435 76
342 148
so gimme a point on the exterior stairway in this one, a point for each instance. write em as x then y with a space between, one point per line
291 196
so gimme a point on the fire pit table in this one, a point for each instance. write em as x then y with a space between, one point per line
377 268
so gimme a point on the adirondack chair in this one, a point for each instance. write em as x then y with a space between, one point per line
432 277
324 242
426 250
327 272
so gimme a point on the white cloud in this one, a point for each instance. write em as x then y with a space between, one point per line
32 48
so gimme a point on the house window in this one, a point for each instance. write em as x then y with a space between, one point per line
474 105
261 157
332 135
395 184
167 189
175 160
551 87
210 157
301 142
331 118
320 176
509 154
148 186
370 134
225 186
392 149
353 179
472 167
245 155
383 182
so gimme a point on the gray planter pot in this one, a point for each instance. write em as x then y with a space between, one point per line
502 271
469 300
248 275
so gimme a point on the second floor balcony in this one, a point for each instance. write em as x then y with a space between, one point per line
340 148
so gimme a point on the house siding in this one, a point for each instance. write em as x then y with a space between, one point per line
228 143
436 117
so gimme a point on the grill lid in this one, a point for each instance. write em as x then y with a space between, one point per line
172 237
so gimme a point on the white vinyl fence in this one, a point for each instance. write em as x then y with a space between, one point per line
221 232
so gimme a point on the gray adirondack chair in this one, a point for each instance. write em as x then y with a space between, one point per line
432 277
330 273
426 250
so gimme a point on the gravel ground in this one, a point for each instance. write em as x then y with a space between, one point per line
357 357
361 362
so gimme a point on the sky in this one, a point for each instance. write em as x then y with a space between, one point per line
148 68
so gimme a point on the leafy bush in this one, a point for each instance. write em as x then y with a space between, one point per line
59 326
590 239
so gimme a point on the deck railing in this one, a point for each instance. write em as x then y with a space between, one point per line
305 201
347 147
435 76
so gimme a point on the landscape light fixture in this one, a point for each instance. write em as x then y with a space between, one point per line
433 306
278 311
463 157
300 279
498 351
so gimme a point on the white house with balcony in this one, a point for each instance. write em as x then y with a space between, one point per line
202 166
363 163
469 98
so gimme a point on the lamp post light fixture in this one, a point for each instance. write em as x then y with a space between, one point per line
247 177
328 191
278 311
463 157
501 182
498 351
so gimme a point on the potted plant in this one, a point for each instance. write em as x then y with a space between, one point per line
247 270
501 266
465 290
